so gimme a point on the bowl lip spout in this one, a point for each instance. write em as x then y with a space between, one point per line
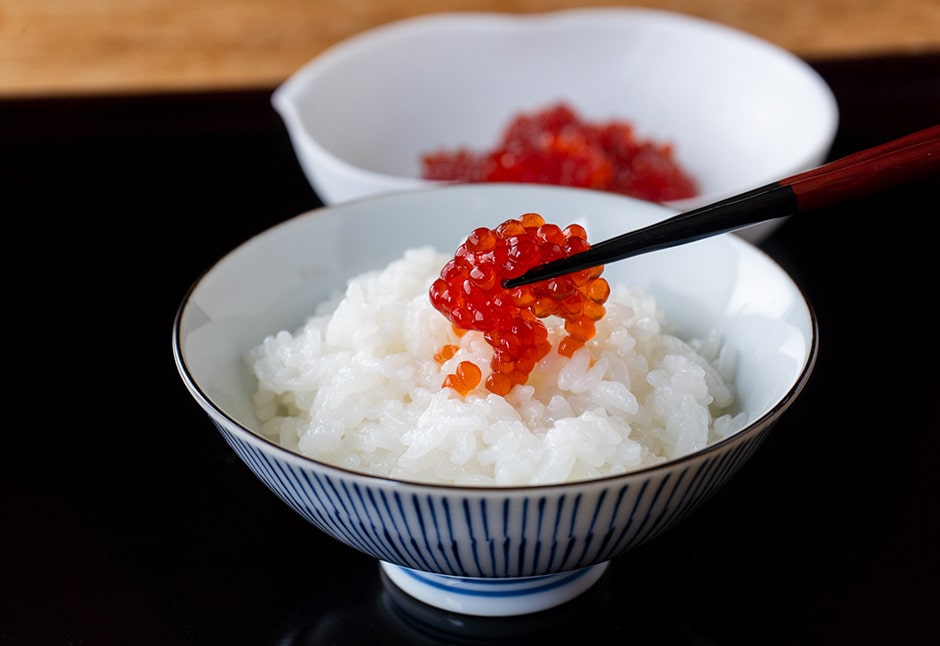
227 422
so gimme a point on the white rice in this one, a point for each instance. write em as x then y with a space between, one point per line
358 387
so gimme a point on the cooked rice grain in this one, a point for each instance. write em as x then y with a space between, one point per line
357 386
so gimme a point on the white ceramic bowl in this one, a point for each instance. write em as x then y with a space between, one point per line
741 112
479 550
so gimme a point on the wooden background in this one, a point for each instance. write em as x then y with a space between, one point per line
52 47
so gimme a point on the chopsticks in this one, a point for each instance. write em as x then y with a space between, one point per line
862 173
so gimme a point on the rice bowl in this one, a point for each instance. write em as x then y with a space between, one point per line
496 549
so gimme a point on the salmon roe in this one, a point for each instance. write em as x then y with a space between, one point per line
470 293
555 146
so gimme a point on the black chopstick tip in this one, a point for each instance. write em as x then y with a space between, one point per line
552 269
536 274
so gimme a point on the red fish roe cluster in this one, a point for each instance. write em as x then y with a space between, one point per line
469 292
554 146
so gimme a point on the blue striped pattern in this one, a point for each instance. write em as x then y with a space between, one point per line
493 532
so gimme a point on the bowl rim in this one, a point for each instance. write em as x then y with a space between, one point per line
377 35
217 414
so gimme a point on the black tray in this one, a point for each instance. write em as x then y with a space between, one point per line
127 520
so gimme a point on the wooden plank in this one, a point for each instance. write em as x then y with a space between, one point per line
94 46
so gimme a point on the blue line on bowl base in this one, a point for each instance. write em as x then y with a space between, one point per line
493 597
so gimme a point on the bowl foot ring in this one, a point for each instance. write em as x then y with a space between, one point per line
494 597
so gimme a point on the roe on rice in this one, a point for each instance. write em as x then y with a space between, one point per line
357 386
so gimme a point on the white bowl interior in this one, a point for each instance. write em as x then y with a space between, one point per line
740 111
274 280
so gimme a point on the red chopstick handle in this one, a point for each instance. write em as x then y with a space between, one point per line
909 158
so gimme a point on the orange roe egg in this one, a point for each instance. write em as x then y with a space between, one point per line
465 378
446 352
470 294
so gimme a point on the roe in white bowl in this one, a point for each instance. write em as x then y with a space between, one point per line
357 386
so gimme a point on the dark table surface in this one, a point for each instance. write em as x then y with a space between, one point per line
127 520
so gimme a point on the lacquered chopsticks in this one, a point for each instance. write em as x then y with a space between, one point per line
908 158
